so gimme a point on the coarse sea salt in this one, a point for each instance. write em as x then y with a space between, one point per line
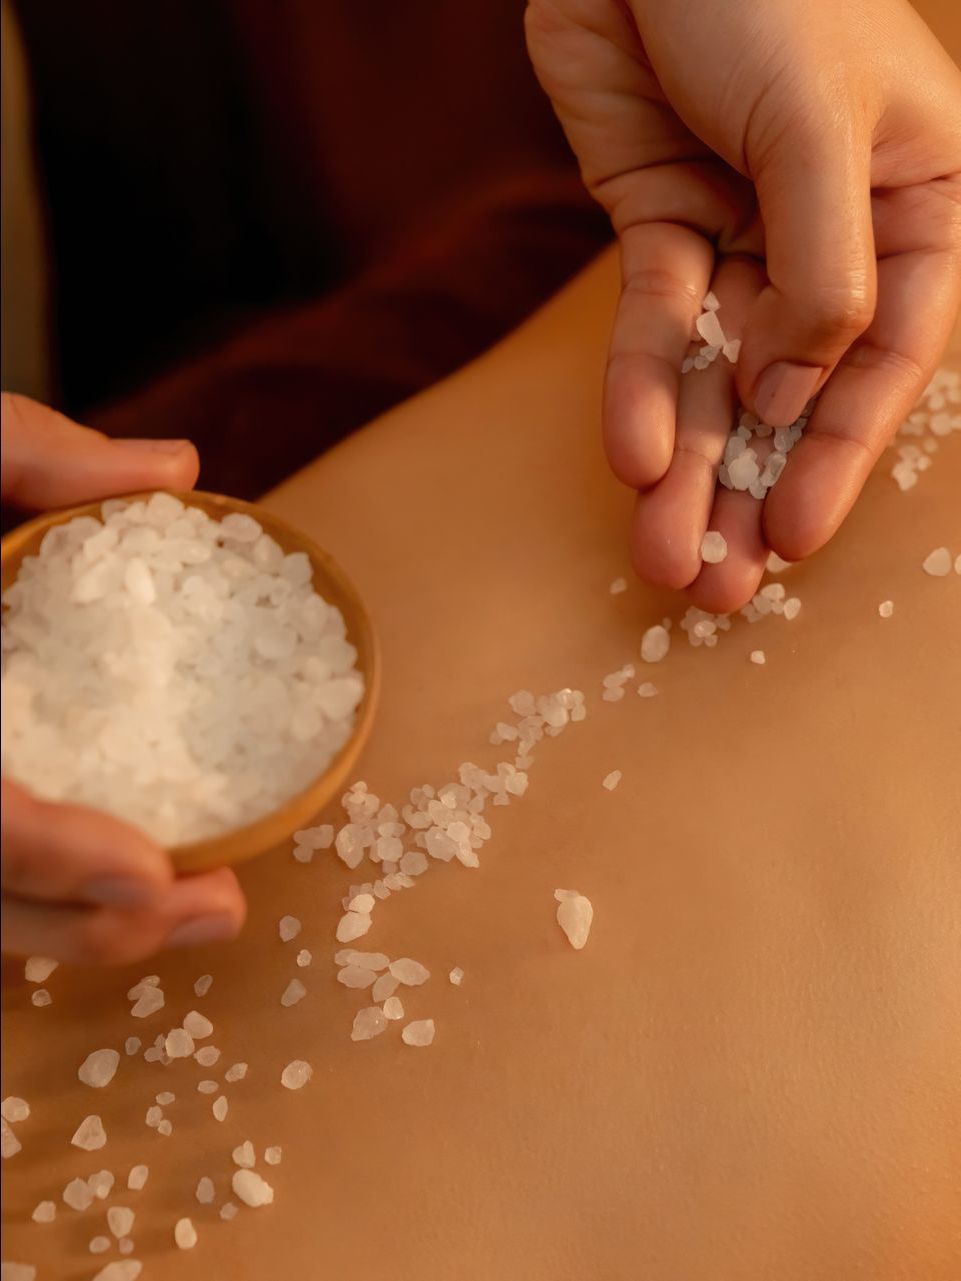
137 1177
296 1074
158 667
44 1212
655 643
610 781
293 993
713 547
886 608
456 976
90 1134
288 928
37 969
273 1155
575 913
99 1068
251 1188
205 1190
15 1109
409 972
938 562
368 1023
418 1033
185 1234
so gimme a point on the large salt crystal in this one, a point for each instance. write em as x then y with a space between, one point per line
15 1109
10 1145
713 547
251 1188
385 986
273 1155
44 1212
90 1134
575 913
709 327
293 992
99 1068
366 960
179 1043
205 1191
244 1155
368 1023
419 1032
220 1108
355 976
886 608
207 1055
289 928
203 984
409 972
77 1195
393 1008
148 1002
296 1074
938 562
197 1025
185 1234
655 643
101 1184
120 1220
137 1177
37 969
352 925
236 1072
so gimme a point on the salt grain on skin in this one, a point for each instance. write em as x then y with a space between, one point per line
409 972
205 1190
219 1108
758 657
655 644
90 1134
203 985
236 1072
244 1155
713 547
293 993
99 1068
37 969
14 1109
304 958
165 1129
610 781
228 1211
368 1023
99 1245
137 1177
354 976
101 1184
251 1188
41 997
296 1074
289 928
647 690
618 586
886 608
120 1270
385 986
132 1045
456 976
273 1155
77 1195
393 1008
197 1025
419 1033
165 1097
45 1212
149 1002
120 1220
207 1087
207 1055
575 914
938 562
185 1234
17 1272
10 1144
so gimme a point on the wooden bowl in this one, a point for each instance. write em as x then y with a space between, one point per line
332 583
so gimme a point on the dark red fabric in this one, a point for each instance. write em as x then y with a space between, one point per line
272 219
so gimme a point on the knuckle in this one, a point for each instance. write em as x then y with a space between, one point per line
845 309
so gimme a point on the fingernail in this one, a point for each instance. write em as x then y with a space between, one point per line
783 390
152 446
202 929
119 891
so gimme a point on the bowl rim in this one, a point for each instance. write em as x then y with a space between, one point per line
271 829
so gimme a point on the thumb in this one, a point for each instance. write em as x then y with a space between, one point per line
814 193
49 461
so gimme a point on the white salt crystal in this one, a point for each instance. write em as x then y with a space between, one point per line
120 1270
647 689
236 1073
617 586
207 1055
355 976
228 1211
137 1177
316 838
78 1195
244 1155
293 992
219 1108
289 928
758 656
363 903
886 608
125 1245
179 1044
185 1234
203 984
197 1025
90 1134
120 1220
99 1245
132 1044
45 1212
418 1033
709 327
368 1023
732 350
409 972
352 925
165 1128
273 1155
456 976
414 863
655 643
154 1116
41 997
205 1190
610 781
165 1097
149 1001
775 565
574 915
250 1188
713 547
393 1008
15 1109
38 969
99 1068
304 958
101 1184
385 986
207 1087
296 1074
938 562
710 302
792 608
366 960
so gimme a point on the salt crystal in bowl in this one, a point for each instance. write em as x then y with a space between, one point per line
330 582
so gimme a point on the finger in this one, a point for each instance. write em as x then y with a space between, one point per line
725 587
866 400
814 193
670 520
69 853
49 461
665 274
195 910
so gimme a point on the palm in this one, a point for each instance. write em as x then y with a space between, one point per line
691 200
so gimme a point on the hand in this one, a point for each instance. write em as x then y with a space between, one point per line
79 885
803 161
